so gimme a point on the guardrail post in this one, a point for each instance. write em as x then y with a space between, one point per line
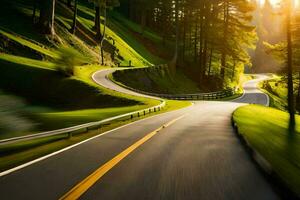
144 112
70 134
150 110
154 109
138 114
131 116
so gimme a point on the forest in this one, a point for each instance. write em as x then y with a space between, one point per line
112 98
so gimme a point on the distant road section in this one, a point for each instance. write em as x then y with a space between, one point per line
192 153
252 94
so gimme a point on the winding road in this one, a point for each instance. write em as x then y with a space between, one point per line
192 153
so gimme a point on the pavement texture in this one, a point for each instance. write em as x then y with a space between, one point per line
196 157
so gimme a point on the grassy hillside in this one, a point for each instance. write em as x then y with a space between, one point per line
276 88
267 131
28 69
156 80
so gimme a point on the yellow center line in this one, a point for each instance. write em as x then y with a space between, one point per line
88 182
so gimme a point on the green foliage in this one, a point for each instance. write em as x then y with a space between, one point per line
44 87
214 36
278 51
68 58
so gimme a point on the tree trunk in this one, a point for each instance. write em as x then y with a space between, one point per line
47 12
291 107
69 3
74 18
210 61
174 61
233 70
185 19
103 35
195 41
35 3
298 94
143 20
224 51
97 22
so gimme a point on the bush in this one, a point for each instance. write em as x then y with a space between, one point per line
68 58
12 118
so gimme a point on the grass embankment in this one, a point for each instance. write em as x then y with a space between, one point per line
28 70
58 102
14 155
155 80
276 88
129 47
267 131
145 42
159 80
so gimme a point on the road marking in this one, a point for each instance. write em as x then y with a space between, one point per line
88 182
27 164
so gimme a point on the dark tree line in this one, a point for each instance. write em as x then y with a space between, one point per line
211 34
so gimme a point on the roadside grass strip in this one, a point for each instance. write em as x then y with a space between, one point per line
266 130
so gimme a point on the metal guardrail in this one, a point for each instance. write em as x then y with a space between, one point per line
199 96
196 96
87 126
95 125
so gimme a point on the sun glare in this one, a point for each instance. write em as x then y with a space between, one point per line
275 3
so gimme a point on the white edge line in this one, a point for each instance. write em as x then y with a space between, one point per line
244 93
9 171
72 146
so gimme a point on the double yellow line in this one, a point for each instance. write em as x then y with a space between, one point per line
84 185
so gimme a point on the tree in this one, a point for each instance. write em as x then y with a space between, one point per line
97 19
68 58
74 18
210 37
174 61
47 13
284 52
102 5
291 105
69 3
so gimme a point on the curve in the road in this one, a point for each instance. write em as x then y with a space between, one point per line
198 157
252 93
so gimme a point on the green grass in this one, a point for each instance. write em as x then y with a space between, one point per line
18 60
127 50
16 154
267 131
57 101
147 33
275 101
157 80
276 88
21 30
120 25
30 44
54 100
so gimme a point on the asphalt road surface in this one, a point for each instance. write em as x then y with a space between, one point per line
191 153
